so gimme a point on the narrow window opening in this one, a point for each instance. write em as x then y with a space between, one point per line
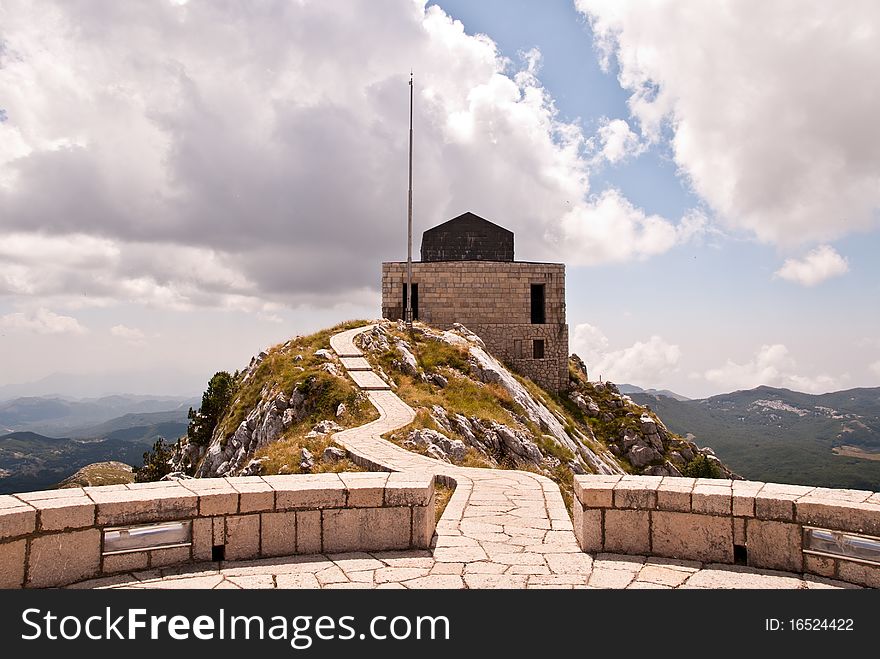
538 349
218 553
415 302
539 316
740 555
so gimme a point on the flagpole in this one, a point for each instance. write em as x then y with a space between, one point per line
409 286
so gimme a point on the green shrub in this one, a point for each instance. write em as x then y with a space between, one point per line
701 467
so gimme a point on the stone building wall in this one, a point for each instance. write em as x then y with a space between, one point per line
492 299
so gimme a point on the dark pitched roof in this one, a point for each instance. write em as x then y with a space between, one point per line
467 237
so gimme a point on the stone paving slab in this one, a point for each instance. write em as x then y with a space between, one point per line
500 529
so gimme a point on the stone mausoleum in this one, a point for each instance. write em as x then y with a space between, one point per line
467 275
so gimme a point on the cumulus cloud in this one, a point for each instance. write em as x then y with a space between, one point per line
617 141
767 104
645 363
772 366
211 154
42 321
132 335
818 265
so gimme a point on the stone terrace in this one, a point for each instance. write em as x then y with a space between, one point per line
501 529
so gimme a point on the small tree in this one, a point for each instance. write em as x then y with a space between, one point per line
215 402
156 463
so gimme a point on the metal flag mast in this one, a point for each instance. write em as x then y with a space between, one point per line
408 314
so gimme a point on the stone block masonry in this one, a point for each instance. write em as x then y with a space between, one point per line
721 521
56 537
494 300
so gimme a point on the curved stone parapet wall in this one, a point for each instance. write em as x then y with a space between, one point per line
721 521
56 537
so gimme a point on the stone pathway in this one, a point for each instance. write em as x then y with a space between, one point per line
500 529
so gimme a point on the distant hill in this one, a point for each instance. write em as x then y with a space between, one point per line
66 417
100 473
30 461
633 389
170 425
785 436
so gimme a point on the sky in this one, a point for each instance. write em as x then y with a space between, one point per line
184 183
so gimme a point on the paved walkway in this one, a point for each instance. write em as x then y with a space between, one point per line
501 529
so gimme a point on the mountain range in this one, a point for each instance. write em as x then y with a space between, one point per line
772 434
49 438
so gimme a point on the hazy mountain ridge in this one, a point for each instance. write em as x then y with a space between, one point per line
781 435
67 417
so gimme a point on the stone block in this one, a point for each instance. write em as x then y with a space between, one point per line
366 529
774 545
278 534
255 494
839 515
588 528
202 539
744 497
821 565
307 491
58 559
12 557
595 491
639 492
170 556
308 532
216 496
219 530
130 562
739 531
675 494
711 499
627 531
62 511
776 501
364 489
692 536
17 518
859 573
405 489
242 537
144 505
422 526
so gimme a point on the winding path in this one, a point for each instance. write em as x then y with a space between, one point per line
500 529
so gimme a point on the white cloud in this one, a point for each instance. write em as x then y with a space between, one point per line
617 141
132 335
772 366
818 265
196 151
645 363
768 105
42 321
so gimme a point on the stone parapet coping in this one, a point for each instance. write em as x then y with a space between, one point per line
724 521
55 537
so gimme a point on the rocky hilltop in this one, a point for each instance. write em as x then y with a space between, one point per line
471 410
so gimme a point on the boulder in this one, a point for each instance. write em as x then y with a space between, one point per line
454 448
437 380
639 456
579 365
437 453
332 454
323 353
341 410
253 468
408 363
306 460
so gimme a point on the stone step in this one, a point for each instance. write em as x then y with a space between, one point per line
356 364
369 381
